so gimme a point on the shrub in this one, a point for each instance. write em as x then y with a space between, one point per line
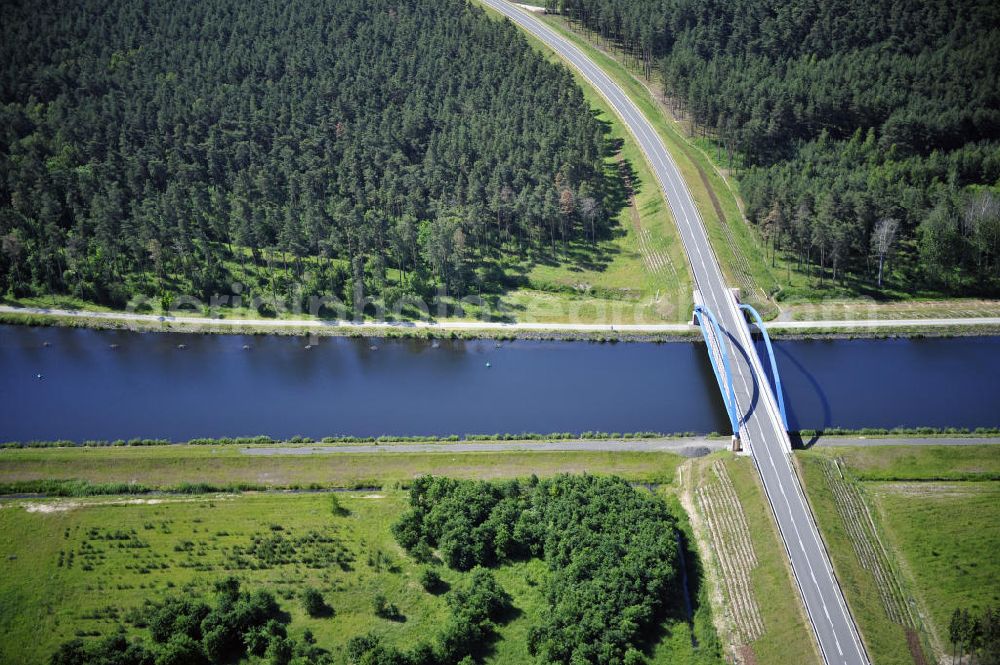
481 599
258 638
313 603
176 616
115 649
384 609
431 581
181 650
408 530
337 508
359 645
422 552
280 651
634 657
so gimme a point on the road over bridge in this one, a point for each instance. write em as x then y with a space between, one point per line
759 419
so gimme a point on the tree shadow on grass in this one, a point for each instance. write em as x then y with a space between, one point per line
488 649
680 608
578 256
324 612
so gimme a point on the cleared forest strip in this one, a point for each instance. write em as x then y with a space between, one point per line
737 245
655 260
730 538
867 545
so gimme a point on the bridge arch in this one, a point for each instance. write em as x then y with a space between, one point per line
728 391
774 364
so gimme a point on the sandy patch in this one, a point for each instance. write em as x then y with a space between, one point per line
935 490
373 496
61 506
49 507
688 477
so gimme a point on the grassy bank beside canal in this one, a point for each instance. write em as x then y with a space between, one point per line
585 333
171 467
870 435
600 333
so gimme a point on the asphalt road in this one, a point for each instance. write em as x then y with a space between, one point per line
761 427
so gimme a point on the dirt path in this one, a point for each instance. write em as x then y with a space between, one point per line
201 323
688 447
326 324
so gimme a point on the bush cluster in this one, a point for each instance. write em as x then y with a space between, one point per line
477 607
314 604
611 551
190 632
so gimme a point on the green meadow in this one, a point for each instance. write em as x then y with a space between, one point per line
928 543
81 567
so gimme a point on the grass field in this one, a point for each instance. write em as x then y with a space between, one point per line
184 545
912 535
938 529
169 466
35 530
77 567
901 463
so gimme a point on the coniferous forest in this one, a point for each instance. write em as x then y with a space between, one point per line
866 135
304 147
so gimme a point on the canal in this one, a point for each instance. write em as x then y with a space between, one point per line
112 384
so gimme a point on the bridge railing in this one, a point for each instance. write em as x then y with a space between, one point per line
774 365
